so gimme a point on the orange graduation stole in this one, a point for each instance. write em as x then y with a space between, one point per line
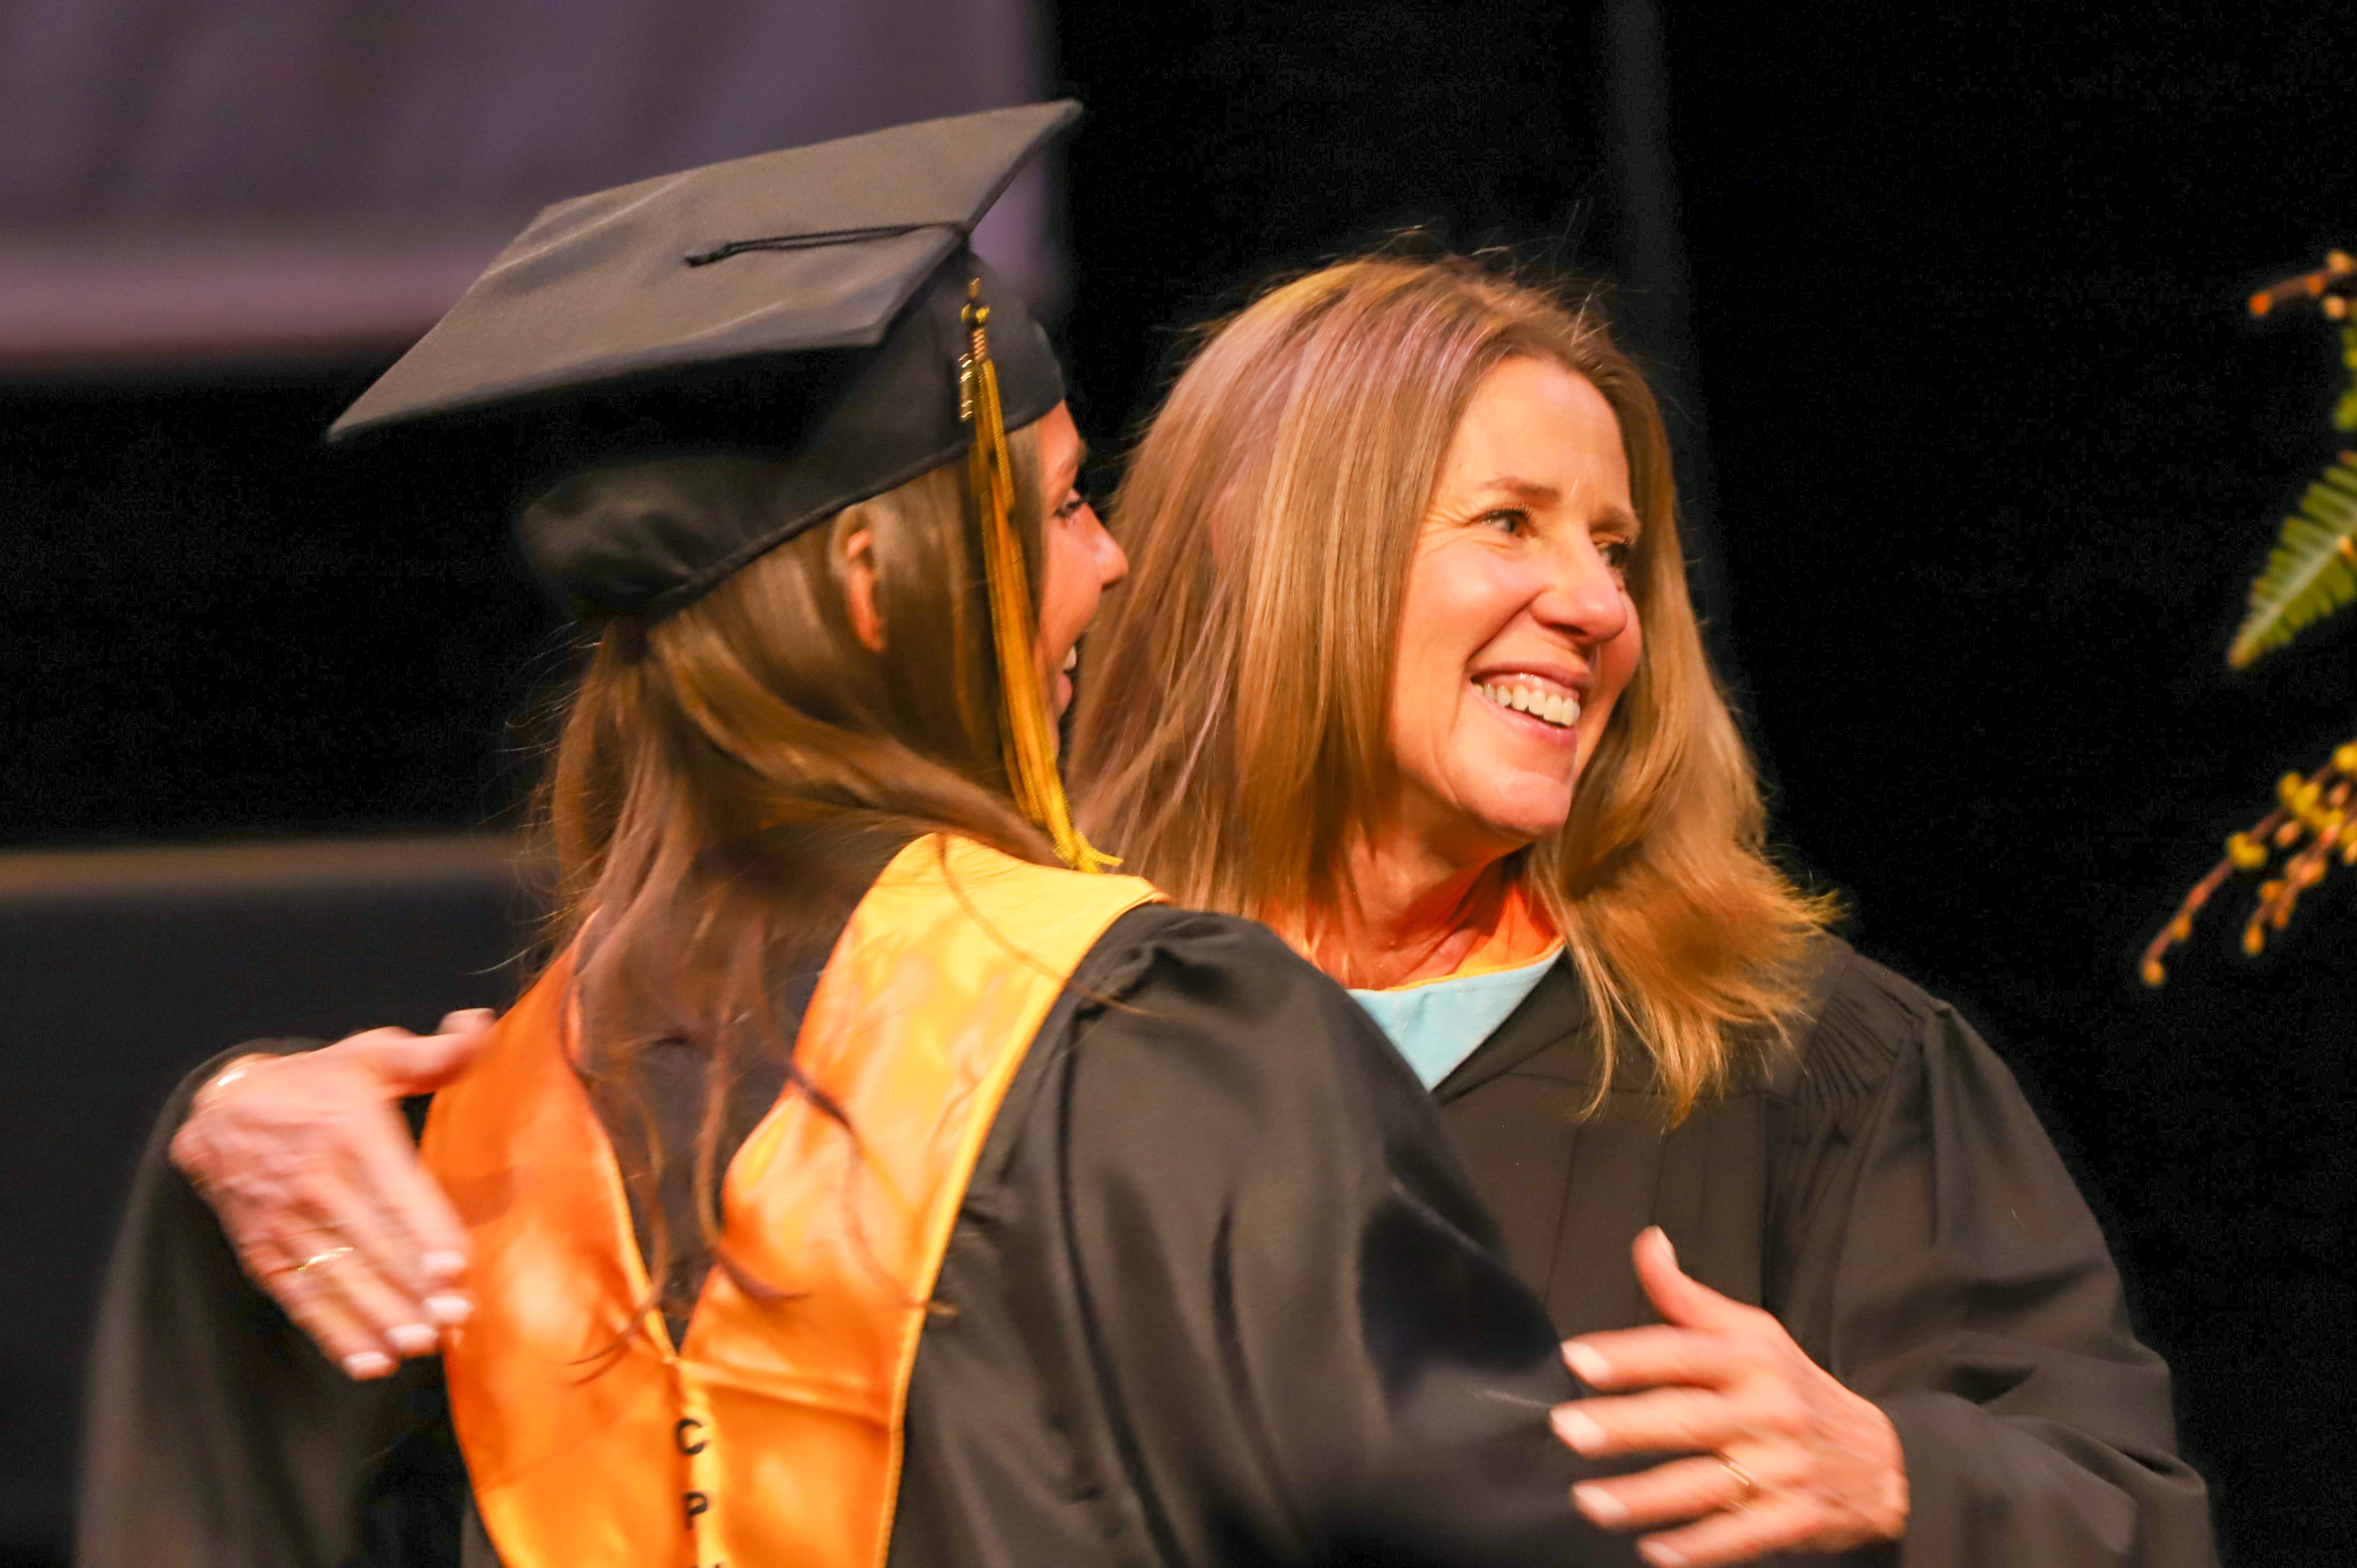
772 1434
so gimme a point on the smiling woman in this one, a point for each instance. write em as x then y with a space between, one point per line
1516 636
1429 697
1379 490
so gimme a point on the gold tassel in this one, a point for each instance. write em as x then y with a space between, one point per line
1024 726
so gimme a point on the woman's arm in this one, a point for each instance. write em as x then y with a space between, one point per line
1972 1299
215 1432
278 1212
1950 1363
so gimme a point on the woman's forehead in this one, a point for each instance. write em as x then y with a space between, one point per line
1542 436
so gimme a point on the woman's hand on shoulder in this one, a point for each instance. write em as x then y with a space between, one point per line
310 1166
1784 1457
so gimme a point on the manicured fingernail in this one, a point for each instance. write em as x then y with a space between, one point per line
413 1338
1586 1364
1599 1505
1671 1249
365 1364
446 1310
1575 1427
444 1265
1662 1556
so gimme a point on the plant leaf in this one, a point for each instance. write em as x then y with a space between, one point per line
2311 571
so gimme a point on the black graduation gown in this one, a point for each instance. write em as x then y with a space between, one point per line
1220 1291
1886 1191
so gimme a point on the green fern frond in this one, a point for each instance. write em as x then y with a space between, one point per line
2312 571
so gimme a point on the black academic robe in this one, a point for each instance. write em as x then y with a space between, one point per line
1220 1292
1886 1192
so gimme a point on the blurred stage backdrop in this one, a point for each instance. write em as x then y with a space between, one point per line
1977 451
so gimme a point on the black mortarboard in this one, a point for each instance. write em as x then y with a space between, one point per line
805 305
819 308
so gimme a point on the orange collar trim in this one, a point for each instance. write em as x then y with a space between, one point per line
1517 934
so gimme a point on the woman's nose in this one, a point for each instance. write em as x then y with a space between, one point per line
1583 596
1113 562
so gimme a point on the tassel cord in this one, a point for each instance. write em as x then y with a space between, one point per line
1027 737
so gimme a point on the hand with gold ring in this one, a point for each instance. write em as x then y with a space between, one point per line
310 1169
1746 1488
1782 1457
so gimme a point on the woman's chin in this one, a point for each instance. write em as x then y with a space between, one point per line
1518 819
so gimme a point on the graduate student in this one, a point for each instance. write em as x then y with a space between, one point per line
870 1176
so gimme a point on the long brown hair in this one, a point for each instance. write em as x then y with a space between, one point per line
1231 736
731 772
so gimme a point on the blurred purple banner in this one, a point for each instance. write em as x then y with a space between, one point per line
223 178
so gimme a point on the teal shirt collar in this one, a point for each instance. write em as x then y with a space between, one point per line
1437 1025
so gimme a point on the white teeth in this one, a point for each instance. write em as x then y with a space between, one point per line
1561 711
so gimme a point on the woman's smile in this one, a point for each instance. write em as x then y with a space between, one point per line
1517 634
1551 699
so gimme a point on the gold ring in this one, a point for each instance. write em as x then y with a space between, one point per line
317 1258
1742 1500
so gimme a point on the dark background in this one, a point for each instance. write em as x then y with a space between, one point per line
1981 451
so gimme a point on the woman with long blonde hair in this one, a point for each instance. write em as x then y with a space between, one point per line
1406 669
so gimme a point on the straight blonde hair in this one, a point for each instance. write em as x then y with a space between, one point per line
1231 740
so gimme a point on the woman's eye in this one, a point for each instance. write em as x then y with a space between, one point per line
1505 521
1071 506
1616 552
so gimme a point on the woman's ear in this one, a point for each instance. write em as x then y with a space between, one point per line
859 588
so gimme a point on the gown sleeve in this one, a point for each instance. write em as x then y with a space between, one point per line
1307 1345
217 1436
1964 1286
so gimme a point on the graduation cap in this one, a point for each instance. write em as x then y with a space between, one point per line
820 308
